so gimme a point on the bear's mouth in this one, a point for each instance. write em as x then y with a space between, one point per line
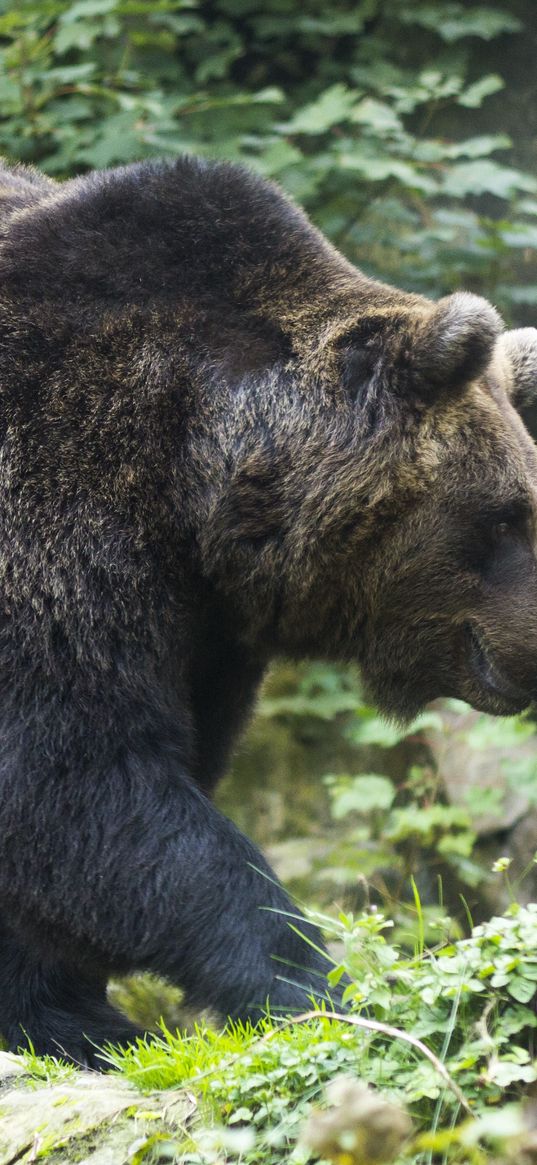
488 672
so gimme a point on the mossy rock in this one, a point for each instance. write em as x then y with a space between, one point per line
84 1117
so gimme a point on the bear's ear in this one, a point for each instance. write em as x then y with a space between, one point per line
517 351
454 344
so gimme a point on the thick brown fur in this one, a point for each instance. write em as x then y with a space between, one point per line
220 443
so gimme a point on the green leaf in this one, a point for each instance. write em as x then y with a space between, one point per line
82 35
529 969
377 115
504 1073
276 157
333 106
71 74
520 235
84 8
477 147
361 794
521 989
474 96
377 167
455 22
485 177
240 1114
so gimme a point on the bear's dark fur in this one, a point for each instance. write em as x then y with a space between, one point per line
220 442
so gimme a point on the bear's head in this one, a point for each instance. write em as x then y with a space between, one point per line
451 604
389 514
447 547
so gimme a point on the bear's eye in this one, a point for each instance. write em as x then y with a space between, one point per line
497 538
512 520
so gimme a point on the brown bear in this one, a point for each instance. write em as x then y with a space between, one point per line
220 443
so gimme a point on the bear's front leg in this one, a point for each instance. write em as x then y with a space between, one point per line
138 871
237 943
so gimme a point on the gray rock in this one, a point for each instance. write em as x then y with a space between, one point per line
90 1118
